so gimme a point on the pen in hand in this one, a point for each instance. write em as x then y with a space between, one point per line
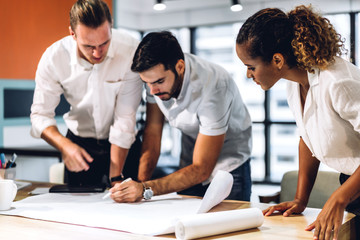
109 193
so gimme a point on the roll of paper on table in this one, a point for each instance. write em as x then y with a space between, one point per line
214 223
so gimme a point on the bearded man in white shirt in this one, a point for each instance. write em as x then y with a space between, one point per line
201 100
91 68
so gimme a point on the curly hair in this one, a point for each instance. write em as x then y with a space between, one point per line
315 42
303 37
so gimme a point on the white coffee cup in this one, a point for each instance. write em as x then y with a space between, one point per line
8 190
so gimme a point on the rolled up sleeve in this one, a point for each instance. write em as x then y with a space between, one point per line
123 130
345 96
46 98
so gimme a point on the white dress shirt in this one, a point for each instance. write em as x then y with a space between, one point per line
330 124
103 97
209 103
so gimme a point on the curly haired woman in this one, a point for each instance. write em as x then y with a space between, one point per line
324 96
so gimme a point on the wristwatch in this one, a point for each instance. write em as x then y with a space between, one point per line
148 193
117 178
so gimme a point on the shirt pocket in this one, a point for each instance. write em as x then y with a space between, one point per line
113 81
112 88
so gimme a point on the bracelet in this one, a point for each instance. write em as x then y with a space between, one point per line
117 178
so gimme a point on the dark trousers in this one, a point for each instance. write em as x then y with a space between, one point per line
98 172
354 206
99 150
241 189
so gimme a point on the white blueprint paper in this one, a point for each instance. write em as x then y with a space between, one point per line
147 217
153 217
218 190
208 224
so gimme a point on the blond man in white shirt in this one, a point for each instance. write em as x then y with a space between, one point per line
91 68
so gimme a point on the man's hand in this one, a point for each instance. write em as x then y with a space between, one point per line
127 191
75 157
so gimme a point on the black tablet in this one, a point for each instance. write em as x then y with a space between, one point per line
64 188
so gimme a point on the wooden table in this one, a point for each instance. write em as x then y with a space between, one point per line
274 227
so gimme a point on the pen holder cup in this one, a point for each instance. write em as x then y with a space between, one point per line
8 173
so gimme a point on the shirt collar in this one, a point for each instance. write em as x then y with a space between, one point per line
313 78
186 80
76 60
73 53
111 50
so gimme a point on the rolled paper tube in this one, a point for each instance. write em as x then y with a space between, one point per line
219 189
208 224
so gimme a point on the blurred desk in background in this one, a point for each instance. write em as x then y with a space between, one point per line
33 151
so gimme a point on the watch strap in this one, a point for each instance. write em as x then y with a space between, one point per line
117 178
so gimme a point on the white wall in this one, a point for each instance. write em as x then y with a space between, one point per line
139 15
34 168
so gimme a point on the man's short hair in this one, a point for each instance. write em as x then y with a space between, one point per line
157 48
91 13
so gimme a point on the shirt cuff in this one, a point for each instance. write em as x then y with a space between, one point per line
213 132
121 139
40 125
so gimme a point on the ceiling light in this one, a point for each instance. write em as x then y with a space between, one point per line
159 5
236 6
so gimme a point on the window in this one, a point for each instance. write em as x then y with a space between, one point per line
217 44
341 23
275 139
257 156
183 37
283 150
275 136
279 108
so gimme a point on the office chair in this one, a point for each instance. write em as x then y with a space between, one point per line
325 184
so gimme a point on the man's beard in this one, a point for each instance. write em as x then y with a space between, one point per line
175 90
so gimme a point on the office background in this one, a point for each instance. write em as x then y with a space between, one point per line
207 28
